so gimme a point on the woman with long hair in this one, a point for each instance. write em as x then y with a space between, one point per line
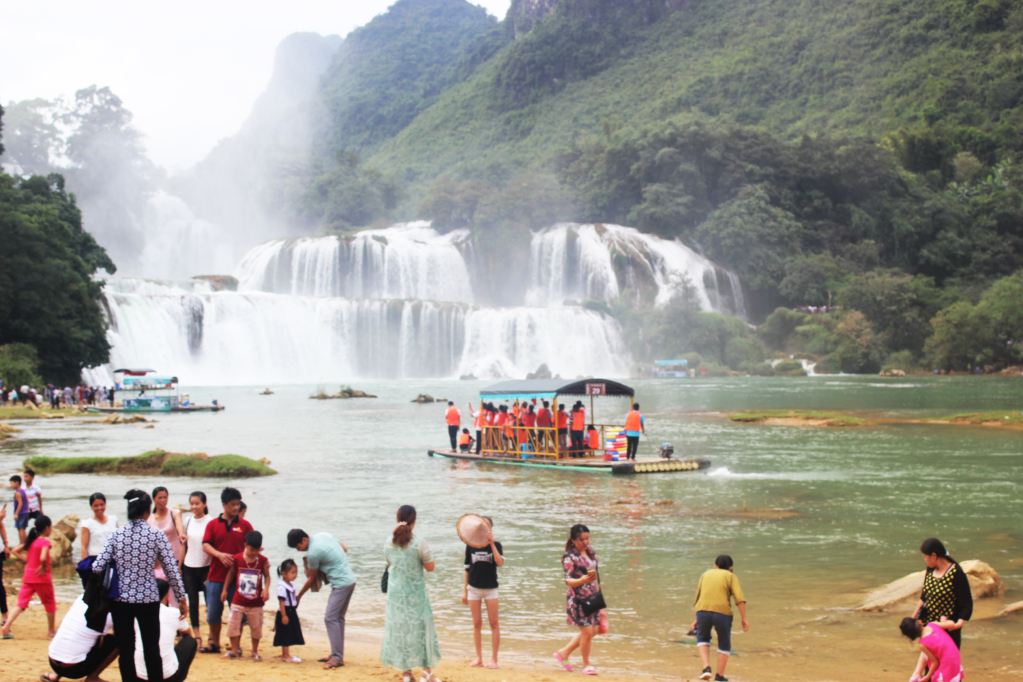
195 565
133 549
37 580
580 564
410 638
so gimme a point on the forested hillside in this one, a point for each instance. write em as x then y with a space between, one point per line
860 153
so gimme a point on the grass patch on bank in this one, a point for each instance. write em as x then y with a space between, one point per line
25 412
988 418
836 419
155 463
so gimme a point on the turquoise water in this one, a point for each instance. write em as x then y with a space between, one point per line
863 500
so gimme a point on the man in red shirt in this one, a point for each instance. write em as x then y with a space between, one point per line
224 538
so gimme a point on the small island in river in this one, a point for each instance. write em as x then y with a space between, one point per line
840 419
155 463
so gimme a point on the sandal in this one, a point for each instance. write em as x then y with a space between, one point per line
256 657
406 676
7 636
564 664
45 677
210 649
589 670
293 659
333 663
492 665
231 655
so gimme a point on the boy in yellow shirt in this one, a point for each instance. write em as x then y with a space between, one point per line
714 611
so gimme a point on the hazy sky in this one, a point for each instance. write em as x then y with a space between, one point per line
189 70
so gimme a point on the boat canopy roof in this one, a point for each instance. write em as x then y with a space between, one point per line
152 381
134 372
527 389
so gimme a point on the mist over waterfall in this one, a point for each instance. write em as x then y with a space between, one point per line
397 303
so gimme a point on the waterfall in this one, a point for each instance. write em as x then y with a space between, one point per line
227 337
578 262
177 244
410 261
398 303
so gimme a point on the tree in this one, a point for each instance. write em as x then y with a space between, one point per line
48 297
811 280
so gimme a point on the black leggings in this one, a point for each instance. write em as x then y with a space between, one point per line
577 440
147 616
195 584
185 651
3 591
453 435
631 447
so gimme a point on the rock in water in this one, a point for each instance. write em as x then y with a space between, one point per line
984 582
1015 607
68 525
61 549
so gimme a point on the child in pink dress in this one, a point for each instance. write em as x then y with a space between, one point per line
943 661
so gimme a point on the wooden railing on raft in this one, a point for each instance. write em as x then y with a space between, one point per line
539 441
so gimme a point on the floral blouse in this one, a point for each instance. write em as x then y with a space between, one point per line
135 548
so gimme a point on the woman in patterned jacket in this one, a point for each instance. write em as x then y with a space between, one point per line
134 549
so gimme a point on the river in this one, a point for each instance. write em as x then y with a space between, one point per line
863 499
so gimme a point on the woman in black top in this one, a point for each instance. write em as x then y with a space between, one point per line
481 586
946 592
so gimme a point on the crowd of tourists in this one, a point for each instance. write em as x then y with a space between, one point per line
56 396
143 580
531 426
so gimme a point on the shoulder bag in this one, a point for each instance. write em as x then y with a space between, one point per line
595 602
383 580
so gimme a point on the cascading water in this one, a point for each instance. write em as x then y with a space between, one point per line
407 261
398 303
578 262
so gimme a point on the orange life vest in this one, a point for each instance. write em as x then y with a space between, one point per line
454 419
594 440
579 420
562 419
634 422
464 439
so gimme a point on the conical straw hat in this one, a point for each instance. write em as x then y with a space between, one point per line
473 530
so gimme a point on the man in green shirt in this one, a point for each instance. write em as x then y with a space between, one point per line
713 605
325 553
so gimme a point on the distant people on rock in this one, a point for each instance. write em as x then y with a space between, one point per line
713 604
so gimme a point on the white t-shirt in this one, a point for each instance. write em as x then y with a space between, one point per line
195 529
74 639
34 493
170 624
98 533
286 592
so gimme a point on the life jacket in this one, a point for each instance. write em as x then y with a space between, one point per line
454 419
515 410
634 421
543 417
562 419
529 419
579 420
502 418
594 440
464 439
490 416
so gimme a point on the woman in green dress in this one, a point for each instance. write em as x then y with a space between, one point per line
410 638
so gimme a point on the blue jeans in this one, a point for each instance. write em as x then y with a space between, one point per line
214 605
722 624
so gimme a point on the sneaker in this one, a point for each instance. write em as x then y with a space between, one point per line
706 674
720 678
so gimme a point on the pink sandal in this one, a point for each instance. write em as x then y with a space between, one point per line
564 664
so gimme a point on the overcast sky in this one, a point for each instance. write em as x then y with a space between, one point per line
189 69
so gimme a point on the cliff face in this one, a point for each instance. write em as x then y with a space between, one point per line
523 14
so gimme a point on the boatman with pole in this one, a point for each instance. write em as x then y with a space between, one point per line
634 423
454 420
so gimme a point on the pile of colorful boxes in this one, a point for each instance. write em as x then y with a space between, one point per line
615 443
